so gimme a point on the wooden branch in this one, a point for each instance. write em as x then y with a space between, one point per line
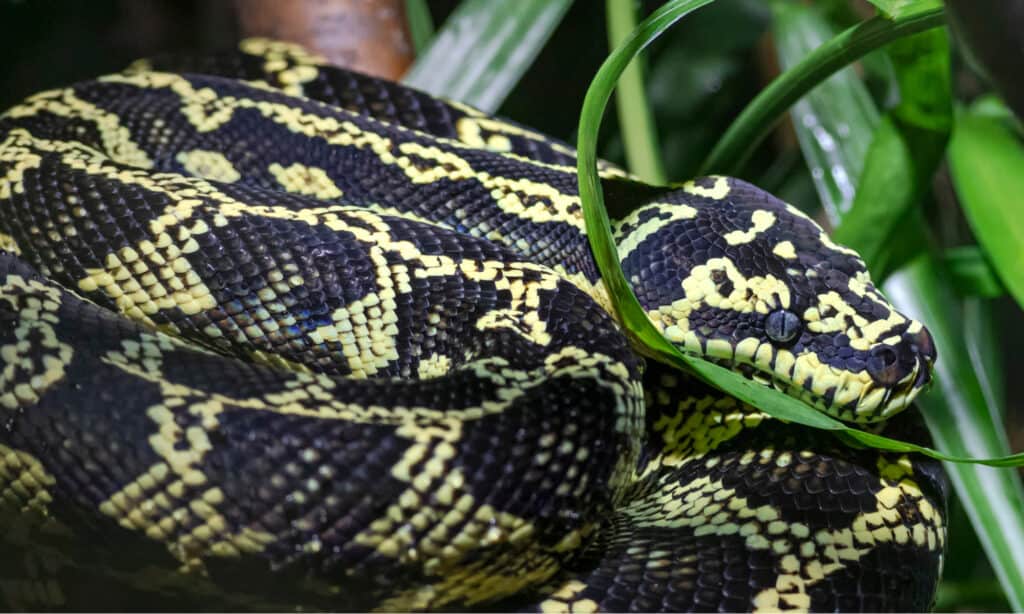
371 36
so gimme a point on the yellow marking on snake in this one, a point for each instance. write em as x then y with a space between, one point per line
538 202
171 501
308 180
665 214
784 249
7 242
36 359
761 221
308 394
159 278
211 165
24 482
718 190
116 139
367 327
753 294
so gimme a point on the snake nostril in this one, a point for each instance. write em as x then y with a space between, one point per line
883 365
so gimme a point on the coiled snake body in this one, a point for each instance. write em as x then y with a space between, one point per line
277 335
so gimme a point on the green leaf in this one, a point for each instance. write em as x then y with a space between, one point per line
834 152
767 108
896 176
631 314
635 119
987 164
421 24
971 273
982 337
893 9
484 48
922 68
905 151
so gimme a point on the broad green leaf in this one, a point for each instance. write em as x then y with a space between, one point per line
634 319
905 152
765 111
483 49
971 273
421 24
837 153
895 177
983 339
635 119
986 161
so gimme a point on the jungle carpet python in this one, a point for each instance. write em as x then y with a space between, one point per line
275 335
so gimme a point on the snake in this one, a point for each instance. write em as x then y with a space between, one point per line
276 335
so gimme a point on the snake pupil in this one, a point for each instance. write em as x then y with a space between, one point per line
782 326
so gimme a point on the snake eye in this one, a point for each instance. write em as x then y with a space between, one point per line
782 326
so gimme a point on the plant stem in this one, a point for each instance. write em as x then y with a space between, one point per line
636 125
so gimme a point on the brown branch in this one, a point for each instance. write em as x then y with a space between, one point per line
371 36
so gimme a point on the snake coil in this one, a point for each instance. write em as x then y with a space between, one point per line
275 335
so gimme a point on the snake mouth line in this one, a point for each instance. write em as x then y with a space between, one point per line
871 402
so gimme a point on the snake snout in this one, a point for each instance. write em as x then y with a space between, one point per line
890 365
926 354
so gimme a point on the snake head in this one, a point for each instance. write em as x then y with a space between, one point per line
729 273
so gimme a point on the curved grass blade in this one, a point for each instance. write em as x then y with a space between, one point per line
483 49
765 110
635 118
634 319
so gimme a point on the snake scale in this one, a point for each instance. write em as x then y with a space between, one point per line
276 335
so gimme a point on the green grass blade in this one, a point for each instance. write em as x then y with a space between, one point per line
635 119
483 49
634 319
421 24
765 110
834 152
987 165
960 422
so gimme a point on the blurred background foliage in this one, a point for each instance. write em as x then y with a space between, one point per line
877 130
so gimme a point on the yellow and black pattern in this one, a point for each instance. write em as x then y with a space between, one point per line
275 334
